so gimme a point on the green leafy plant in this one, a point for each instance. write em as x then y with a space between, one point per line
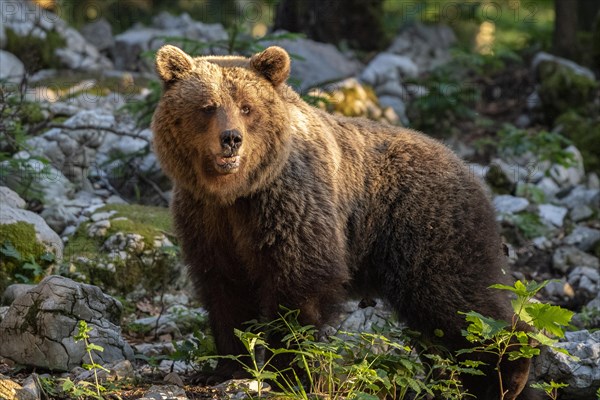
385 363
192 349
26 269
348 365
551 388
80 390
529 224
589 317
484 64
448 98
84 389
544 145
20 119
504 339
531 193
47 386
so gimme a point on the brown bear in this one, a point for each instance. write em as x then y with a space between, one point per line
277 203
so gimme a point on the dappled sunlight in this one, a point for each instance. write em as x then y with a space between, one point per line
484 41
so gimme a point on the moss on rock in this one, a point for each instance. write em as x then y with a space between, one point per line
21 237
562 89
35 52
584 132
134 249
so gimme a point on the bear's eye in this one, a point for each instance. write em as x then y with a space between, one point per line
245 110
210 109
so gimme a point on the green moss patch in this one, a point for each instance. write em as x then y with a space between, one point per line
562 89
22 236
22 256
584 132
147 221
152 268
35 53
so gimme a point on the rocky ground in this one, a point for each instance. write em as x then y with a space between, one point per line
83 219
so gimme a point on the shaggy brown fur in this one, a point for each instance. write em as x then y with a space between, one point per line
279 203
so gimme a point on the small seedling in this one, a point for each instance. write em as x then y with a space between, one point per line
551 388
85 389
504 340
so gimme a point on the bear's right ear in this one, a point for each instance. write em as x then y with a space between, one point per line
172 63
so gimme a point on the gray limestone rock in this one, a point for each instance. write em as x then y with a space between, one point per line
567 257
548 186
44 234
542 57
581 213
130 44
552 214
572 175
8 198
160 392
583 375
507 204
14 291
39 327
12 69
583 237
26 18
387 67
99 33
426 45
11 390
582 197
585 278
46 182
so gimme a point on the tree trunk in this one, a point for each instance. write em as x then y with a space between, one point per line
359 23
587 11
565 28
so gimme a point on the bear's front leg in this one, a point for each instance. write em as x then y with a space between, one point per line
230 304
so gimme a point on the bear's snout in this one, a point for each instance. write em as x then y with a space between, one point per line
231 141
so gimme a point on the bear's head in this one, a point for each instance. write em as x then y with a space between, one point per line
221 127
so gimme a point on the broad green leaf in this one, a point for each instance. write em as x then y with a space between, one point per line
519 288
519 306
500 286
31 266
527 289
522 337
523 352
9 251
265 375
384 378
92 346
364 396
407 364
68 385
482 326
548 387
47 257
534 287
549 317
566 353
415 385
542 339
22 278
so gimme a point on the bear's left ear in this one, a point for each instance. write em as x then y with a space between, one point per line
172 63
273 63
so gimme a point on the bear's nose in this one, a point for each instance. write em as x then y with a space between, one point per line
231 139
